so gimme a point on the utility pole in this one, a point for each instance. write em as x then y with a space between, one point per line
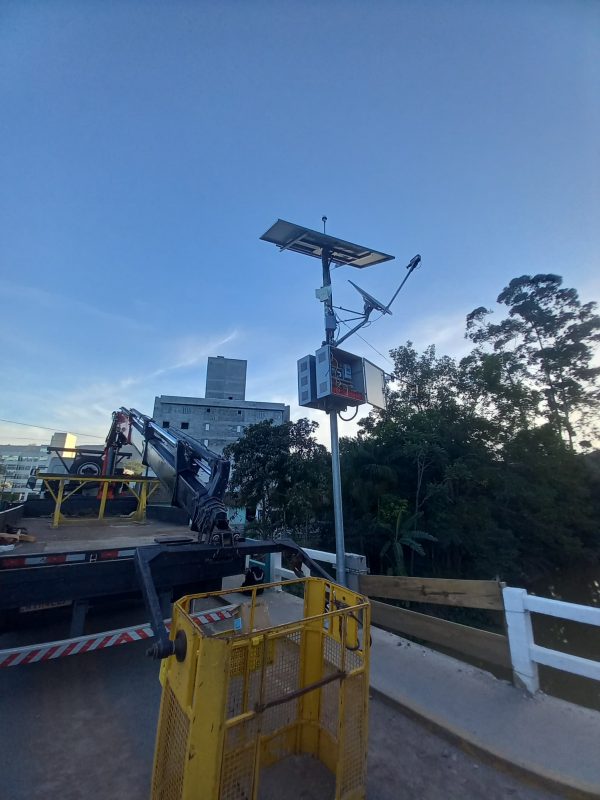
333 379
338 513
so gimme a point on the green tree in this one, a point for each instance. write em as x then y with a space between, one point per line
479 453
283 470
548 337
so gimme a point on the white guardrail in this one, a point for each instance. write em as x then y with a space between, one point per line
526 654
518 606
355 565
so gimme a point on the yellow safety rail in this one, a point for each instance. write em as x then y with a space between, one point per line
239 701
141 488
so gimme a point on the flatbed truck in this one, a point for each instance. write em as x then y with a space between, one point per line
81 564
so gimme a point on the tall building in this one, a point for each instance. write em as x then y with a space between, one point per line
17 463
66 441
226 378
221 417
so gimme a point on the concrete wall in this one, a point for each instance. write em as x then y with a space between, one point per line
226 378
215 422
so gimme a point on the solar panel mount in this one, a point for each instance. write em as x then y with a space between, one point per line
308 242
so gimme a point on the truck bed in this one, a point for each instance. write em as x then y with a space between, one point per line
90 535
87 561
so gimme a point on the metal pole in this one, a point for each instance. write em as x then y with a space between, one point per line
338 515
328 304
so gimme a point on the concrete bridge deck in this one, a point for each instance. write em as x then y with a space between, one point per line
83 726
542 738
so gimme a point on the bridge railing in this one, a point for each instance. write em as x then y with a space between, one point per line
492 648
526 654
356 566
515 650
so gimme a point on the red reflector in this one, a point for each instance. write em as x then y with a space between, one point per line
108 554
11 563
55 559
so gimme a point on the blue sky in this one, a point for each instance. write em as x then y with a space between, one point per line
145 147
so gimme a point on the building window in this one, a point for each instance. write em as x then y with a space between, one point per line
186 409
165 423
239 428
239 412
206 443
185 426
207 426
208 410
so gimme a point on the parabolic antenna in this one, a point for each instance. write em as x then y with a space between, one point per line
371 301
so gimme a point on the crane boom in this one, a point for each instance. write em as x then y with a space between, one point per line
195 476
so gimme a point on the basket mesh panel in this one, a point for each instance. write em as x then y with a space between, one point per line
171 750
330 693
237 772
282 676
353 761
264 670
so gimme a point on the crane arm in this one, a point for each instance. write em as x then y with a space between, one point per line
195 476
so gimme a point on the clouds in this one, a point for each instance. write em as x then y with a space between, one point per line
84 402
39 301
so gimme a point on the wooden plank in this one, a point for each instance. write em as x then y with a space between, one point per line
17 537
491 647
442 591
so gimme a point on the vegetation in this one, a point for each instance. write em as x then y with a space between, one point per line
479 467
283 472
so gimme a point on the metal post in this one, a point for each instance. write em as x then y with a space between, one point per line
338 515
59 498
103 497
140 515
328 303
520 639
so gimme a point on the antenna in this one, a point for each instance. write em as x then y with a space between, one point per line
371 304
411 267
370 301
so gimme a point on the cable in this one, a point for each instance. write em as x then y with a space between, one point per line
370 345
349 418
44 428
25 438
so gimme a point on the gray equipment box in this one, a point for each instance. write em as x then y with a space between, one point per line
334 379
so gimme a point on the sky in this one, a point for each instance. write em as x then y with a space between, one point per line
145 147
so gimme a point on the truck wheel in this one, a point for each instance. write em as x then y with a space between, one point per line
90 466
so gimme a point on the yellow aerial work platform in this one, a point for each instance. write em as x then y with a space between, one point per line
242 695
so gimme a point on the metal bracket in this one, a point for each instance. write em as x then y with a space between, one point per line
163 647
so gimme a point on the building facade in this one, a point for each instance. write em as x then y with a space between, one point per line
226 378
221 417
17 463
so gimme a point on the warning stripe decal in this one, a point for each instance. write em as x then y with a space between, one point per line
30 654
53 559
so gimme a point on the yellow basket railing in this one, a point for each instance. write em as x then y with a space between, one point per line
238 701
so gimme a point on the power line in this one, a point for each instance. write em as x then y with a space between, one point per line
26 438
44 428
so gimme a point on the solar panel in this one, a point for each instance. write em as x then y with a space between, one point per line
288 236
